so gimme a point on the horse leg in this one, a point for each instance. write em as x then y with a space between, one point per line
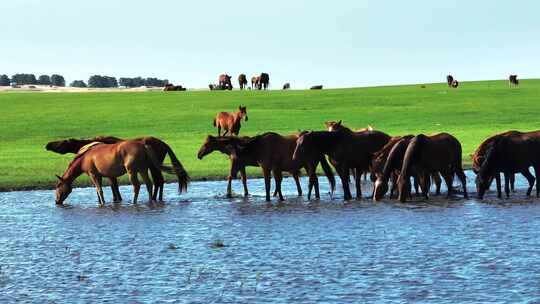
344 176
530 178
219 130
136 185
148 183
426 184
437 180
536 171
357 181
266 174
278 177
507 184
512 182
448 179
117 197
498 184
463 179
97 180
394 182
297 181
244 180
416 185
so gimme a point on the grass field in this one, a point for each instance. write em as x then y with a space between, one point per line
183 119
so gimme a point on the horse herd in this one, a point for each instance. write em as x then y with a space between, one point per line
259 82
389 160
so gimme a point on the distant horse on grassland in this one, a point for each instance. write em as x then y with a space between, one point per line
449 80
224 82
513 80
286 86
255 80
242 81
264 81
316 87
230 122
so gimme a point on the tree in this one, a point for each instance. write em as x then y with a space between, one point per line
98 81
58 80
4 80
24 79
44 80
78 84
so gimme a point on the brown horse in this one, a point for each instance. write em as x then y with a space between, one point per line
230 122
510 152
274 154
224 82
255 80
264 81
449 80
332 125
159 148
513 81
110 160
242 81
171 87
479 156
346 149
387 164
427 155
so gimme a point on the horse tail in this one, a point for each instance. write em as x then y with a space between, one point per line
178 170
329 173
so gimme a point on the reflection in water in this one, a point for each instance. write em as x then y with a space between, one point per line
441 251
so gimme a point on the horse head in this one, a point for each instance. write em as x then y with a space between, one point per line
243 112
63 189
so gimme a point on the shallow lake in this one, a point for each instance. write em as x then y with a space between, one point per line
441 251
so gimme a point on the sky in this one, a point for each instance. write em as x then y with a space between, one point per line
347 43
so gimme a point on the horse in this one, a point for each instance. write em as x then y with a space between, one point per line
264 81
159 148
449 80
316 87
387 163
479 156
346 149
286 86
110 160
171 87
255 80
242 81
455 84
230 122
274 154
332 125
426 155
224 81
513 81
509 153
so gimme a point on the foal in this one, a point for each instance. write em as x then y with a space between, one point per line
230 122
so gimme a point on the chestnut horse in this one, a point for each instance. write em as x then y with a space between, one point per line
387 164
509 153
159 148
346 149
110 160
224 82
426 155
255 80
242 81
230 122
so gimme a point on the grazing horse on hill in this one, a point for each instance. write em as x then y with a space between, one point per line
158 147
455 84
230 122
264 81
286 86
316 87
513 81
449 80
224 82
509 153
242 81
346 149
427 155
255 80
111 160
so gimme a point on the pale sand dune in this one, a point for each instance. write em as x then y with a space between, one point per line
46 88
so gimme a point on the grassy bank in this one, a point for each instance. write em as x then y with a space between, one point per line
29 120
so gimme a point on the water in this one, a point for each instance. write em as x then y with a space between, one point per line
443 251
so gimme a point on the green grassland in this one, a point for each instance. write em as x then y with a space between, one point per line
183 119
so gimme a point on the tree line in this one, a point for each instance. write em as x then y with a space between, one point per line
95 81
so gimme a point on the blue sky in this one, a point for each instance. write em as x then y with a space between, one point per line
334 43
